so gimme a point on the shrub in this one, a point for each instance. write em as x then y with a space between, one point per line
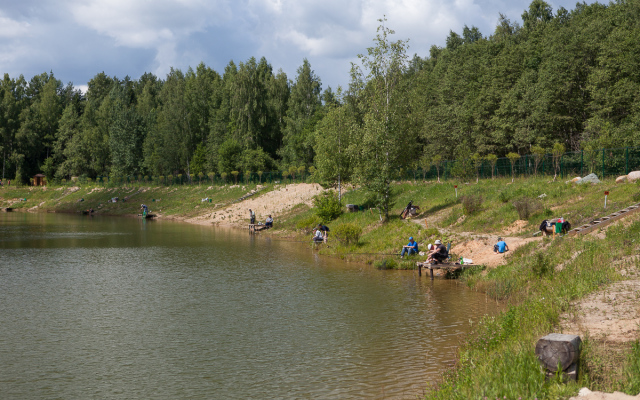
526 207
504 197
540 265
348 233
471 203
429 232
327 206
307 224
388 263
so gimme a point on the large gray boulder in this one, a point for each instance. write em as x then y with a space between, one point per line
591 178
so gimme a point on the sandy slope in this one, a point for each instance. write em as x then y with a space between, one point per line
280 200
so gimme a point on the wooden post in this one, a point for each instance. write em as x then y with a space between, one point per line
559 352
431 269
419 269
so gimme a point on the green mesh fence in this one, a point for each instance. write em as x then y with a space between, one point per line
604 163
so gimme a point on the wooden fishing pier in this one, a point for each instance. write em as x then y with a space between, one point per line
449 268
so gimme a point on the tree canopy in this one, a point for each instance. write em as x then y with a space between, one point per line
560 77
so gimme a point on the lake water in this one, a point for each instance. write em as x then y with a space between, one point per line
117 308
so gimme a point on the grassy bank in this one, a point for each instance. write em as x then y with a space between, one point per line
498 359
170 201
490 211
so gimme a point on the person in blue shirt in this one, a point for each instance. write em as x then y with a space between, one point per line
411 248
500 247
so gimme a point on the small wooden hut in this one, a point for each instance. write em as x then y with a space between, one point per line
39 180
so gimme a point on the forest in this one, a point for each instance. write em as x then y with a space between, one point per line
561 79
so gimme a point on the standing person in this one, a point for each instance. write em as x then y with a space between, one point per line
145 210
252 217
501 246
268 222
410 248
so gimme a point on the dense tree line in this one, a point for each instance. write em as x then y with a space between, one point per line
563 79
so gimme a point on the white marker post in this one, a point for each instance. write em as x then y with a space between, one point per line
456 188
605 199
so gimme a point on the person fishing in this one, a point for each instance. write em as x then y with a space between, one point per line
318 236
325 231
145 210
252 217
439 254
411 248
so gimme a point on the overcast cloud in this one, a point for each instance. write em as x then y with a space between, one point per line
76 39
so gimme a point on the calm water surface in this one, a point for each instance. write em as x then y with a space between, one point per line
119 308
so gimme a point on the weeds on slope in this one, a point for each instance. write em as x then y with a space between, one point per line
498 358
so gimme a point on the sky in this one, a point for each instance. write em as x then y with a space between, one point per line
77 39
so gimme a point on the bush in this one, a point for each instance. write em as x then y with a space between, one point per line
386 264
307 224
327 206
541 266
348 233
526 207
471 204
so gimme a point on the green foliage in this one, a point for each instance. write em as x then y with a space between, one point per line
526 207
387 263
471 203
541 266
327 206
383 136
348 233
229 156
309 223
632 372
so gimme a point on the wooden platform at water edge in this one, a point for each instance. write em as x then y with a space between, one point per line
450 268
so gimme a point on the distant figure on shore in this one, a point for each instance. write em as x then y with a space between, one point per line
500 247
252 217
145 209
410 248
318 236
268 222
325 231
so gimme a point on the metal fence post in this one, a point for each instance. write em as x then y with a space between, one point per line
626 150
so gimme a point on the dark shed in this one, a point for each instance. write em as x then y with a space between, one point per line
39 180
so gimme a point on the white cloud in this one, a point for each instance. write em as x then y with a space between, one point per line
79 38
10 28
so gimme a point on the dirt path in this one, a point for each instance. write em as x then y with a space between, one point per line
479 247
276 202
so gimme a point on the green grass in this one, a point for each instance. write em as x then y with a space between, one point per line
178 200
577 203
498 358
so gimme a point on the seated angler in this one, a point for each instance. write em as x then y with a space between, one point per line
500 247
411 248
440 254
